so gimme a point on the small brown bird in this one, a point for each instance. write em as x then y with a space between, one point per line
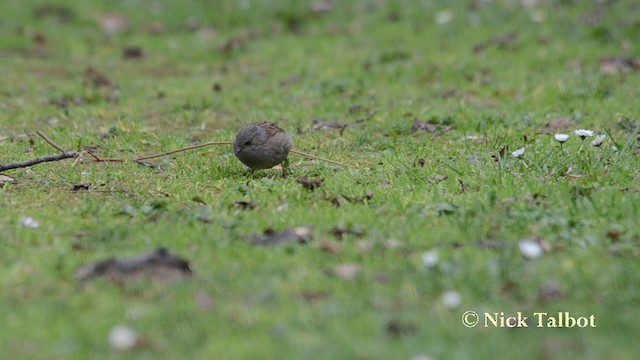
263 145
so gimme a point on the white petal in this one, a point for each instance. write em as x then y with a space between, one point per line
530 249
584 133
451 299
29 222
561 137
430 259
123 338
518 153
598 140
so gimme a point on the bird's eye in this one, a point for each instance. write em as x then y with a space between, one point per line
247 142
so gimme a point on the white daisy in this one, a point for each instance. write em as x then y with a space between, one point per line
518 153
584 133
598 140
561 137
430 259
123 338
29 222
530 249
451 299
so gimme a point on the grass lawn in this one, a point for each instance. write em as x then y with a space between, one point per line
444 213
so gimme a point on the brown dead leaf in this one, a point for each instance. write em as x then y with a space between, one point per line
559 123
5 180
159 264
81 187
203 300
397 328
341 231
324 125
550 291
132 53
310 184
612 234
113 23
93 77
300 234
500 155
155 28
198 199
319 7
619 64
244 205
331 247
347 271
423 126
499 41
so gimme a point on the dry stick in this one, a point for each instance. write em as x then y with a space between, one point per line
183 149
50 142
47 158
321 159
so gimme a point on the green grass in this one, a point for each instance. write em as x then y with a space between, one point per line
294 66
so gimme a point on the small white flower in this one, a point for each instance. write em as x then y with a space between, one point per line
444 17
451 299
530 249
29 222
561 137
584 133
598 140
430 259
123 338
518 153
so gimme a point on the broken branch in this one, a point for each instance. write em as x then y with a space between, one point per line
42 159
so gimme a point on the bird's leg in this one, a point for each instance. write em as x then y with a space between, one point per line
285 165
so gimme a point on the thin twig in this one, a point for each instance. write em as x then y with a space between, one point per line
49 141
322 159
43 159
183 149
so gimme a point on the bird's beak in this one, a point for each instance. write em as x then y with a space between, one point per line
238 151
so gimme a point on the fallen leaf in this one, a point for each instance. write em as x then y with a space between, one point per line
132 52
5 180
331 247
244 205
95 78
323 125
113 23
310 184
550 291
423 126
559 123
341 231
203 300
300 234
159 264
621 64
348 271
78 187
397 328
499 41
